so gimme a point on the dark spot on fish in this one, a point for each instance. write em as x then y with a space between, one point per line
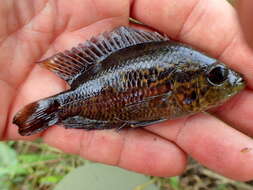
151 71
164 74
151 79
193 95
168 84
191 98
182 77
182 89
164 102
135 75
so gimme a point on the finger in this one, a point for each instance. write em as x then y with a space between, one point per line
238 112
40 25
5 101
42 83
39 84
132 149
80 25
42 79
213 143
244 8
84 13
22 44
68 40
209 25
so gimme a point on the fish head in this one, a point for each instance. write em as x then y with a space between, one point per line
203 82
218 84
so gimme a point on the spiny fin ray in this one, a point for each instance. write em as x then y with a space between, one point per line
68 65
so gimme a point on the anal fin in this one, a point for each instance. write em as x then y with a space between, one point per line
79 122
135 124
146 123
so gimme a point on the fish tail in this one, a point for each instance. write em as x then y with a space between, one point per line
37 116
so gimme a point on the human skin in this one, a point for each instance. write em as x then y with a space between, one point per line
31 30
245 12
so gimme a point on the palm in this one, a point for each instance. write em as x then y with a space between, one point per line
39 28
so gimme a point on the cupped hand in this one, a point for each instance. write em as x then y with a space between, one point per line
31 30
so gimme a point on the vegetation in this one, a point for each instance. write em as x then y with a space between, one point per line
34 165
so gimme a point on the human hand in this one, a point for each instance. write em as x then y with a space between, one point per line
245 8
32 29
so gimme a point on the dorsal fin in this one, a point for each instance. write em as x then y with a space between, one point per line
68 65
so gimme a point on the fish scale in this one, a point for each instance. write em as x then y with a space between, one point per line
129 78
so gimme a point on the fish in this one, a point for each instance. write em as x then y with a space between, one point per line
129 78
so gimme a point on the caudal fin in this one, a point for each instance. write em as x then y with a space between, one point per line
37 116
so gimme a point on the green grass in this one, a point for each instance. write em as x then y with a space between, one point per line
27 165
34 165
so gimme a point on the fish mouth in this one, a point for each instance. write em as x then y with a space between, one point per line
236 79
240 80
239 84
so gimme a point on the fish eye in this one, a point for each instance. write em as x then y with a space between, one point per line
217 75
